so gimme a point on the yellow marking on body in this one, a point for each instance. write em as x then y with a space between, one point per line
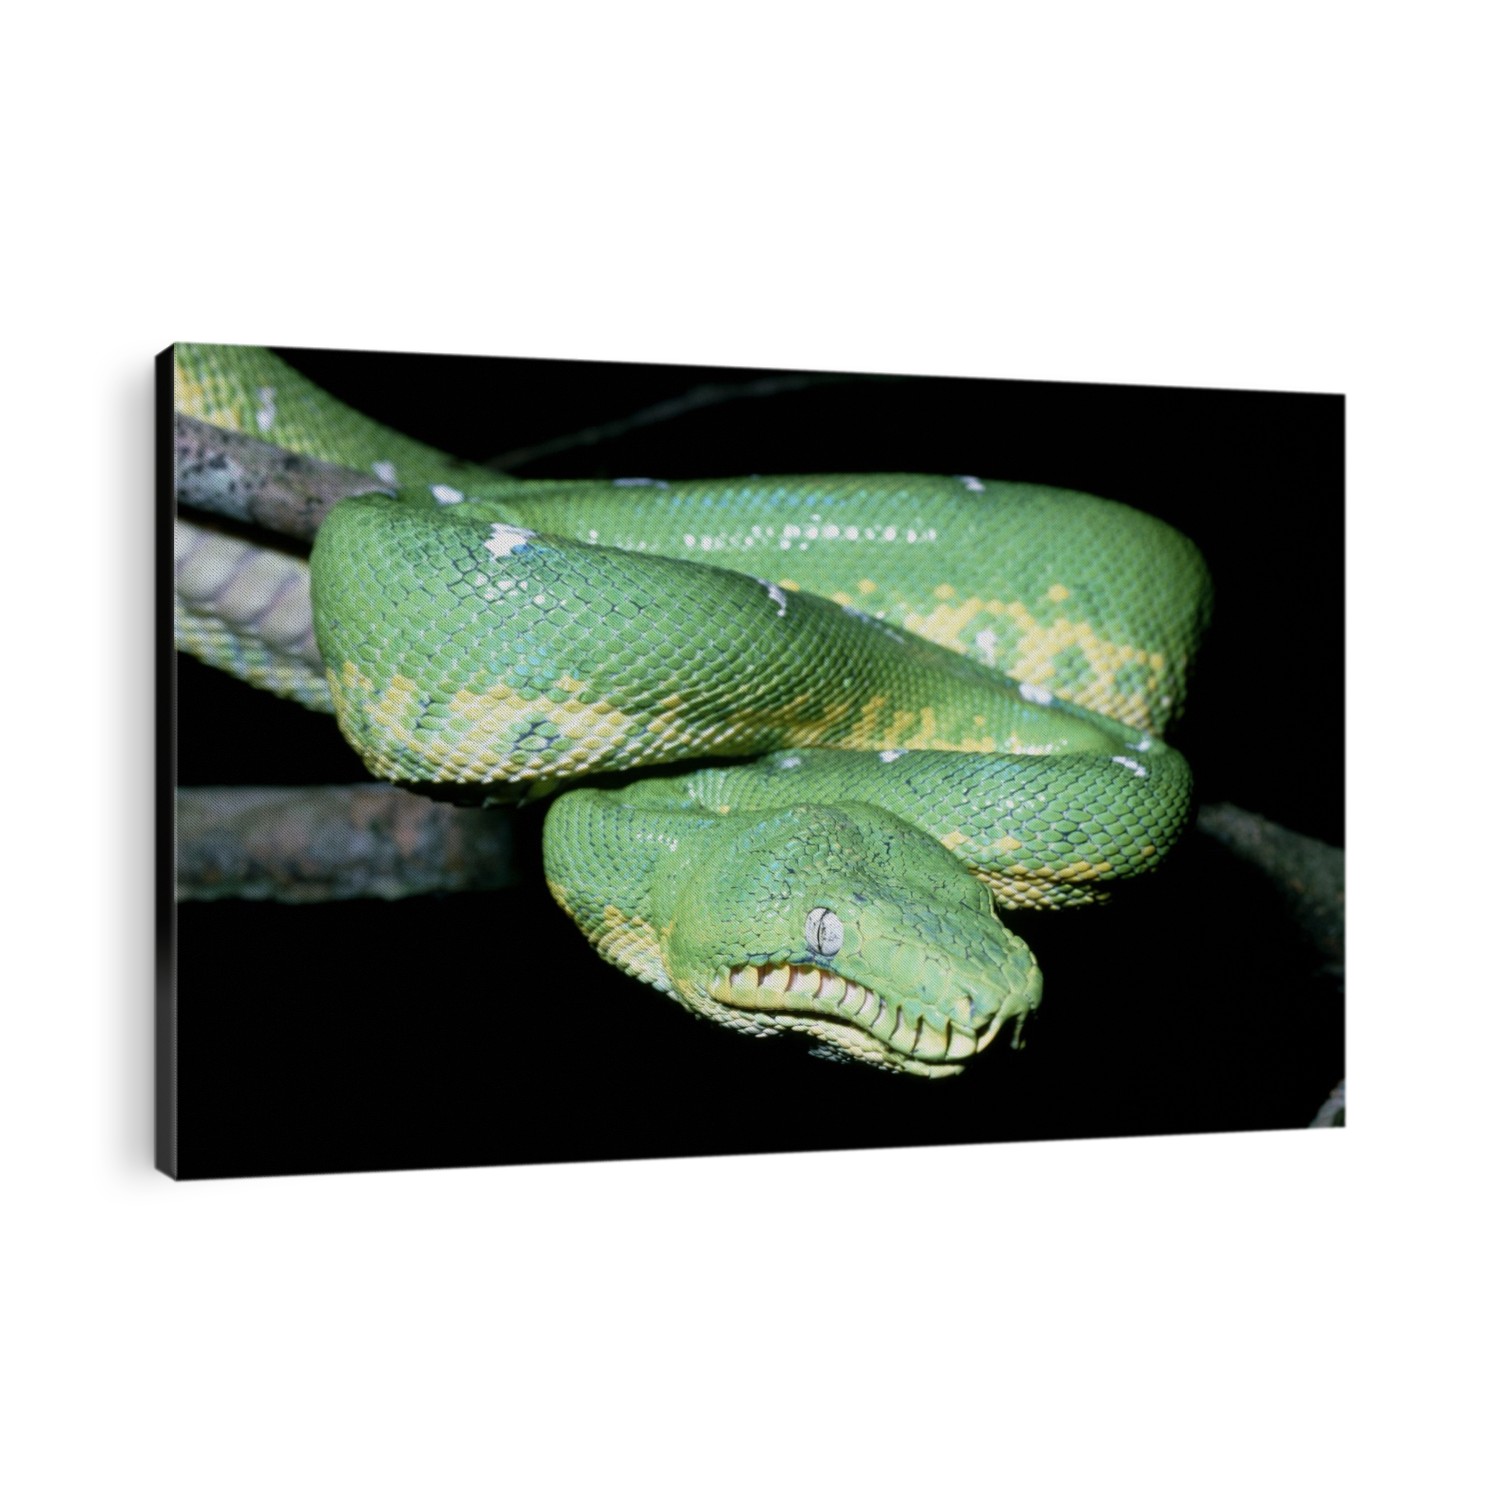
840 726
953 840
1016 887
800 723
1057 593
197 398
358 710
1033 659
344 685
945 625
471 742
392 709
482 720
790 584
669 725
906 729
901 721
630 943
944 591
919 731
866 585
1009 844
865 733
560 895
842 598
1044 887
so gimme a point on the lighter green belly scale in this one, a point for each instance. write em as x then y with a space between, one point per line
521 635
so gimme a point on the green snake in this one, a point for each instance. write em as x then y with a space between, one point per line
907 699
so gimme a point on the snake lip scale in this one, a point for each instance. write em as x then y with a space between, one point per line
851 1016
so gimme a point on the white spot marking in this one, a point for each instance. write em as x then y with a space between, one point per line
689 540
384 470
446 495
969 482
507 539
830 533
889 755
778 598
1033 694
1144 743
889 533
265 413
889 631
985 642
1134 765
788 762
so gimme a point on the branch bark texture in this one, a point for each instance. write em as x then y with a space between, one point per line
334 843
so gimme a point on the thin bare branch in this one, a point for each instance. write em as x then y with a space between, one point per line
246 480
665 411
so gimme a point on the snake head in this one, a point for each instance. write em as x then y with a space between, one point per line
847 924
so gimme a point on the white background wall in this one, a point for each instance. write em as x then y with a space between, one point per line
1284 196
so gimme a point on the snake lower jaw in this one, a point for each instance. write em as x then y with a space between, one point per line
850 1017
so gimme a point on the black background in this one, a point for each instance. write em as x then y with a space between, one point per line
363 1035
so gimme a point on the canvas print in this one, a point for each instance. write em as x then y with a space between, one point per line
568 761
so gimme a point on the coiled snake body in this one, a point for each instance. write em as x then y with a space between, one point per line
953 690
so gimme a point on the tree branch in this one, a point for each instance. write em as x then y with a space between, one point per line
1332 1112
246 480
1308 873
665 411
334 843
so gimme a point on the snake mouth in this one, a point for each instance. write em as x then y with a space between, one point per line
852 1017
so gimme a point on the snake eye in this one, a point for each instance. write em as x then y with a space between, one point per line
823 931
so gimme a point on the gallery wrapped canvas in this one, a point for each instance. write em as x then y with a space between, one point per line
570 761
